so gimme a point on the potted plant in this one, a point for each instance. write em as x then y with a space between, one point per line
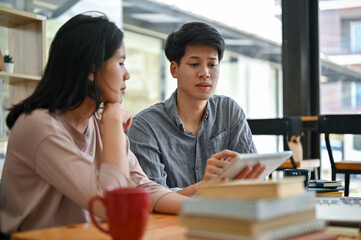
9 63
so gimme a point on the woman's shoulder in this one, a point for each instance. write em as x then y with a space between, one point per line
37 116
38 121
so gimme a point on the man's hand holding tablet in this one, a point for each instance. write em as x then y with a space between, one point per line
217 162
247 165
228 165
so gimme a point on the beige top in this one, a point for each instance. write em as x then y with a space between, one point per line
51 171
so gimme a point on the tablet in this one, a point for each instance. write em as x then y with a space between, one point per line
270 160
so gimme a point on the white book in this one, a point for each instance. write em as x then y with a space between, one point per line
258 209
282 232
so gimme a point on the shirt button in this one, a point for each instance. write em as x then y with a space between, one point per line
198 166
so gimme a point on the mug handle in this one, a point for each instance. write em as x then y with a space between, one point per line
90 205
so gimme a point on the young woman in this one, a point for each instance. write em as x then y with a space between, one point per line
62 149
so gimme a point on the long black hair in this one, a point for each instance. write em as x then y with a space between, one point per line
80 47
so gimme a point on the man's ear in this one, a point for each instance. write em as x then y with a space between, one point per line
174 69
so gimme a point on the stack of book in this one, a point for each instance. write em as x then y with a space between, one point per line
326 188
253 210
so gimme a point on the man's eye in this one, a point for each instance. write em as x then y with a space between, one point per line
194 64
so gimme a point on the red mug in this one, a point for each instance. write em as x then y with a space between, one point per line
127 210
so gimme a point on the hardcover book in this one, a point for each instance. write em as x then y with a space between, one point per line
329 194
253 189
282 232
258 209
329 189
324 183
243 227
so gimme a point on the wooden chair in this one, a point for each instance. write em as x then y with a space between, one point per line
278 127
340 124
291 130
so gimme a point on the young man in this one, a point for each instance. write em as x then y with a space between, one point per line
176 140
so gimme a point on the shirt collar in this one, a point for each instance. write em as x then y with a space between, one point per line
172 110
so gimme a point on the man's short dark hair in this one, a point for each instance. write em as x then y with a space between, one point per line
193 33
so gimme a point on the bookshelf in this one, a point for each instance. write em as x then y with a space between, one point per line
26 41
26 44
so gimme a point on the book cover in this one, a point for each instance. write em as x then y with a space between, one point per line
282 232
258 209
253 189
330 189
324 183
241 226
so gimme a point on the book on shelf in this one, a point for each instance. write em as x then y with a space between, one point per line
255 209
243 227
253 189
282 232
324 183
2 64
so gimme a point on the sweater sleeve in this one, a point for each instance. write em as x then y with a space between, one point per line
141 180
60 164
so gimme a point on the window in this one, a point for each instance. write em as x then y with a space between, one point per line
144 58
356 36
341 72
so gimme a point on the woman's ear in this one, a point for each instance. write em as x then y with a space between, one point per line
91 74
174 69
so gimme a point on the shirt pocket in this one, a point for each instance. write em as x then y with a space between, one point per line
218 142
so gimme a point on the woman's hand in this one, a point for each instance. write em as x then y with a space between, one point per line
115 120
115 113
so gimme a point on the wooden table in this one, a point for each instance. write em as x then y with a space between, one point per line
160 227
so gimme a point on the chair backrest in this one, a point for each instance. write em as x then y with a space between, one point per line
286 127
275 126
338 124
